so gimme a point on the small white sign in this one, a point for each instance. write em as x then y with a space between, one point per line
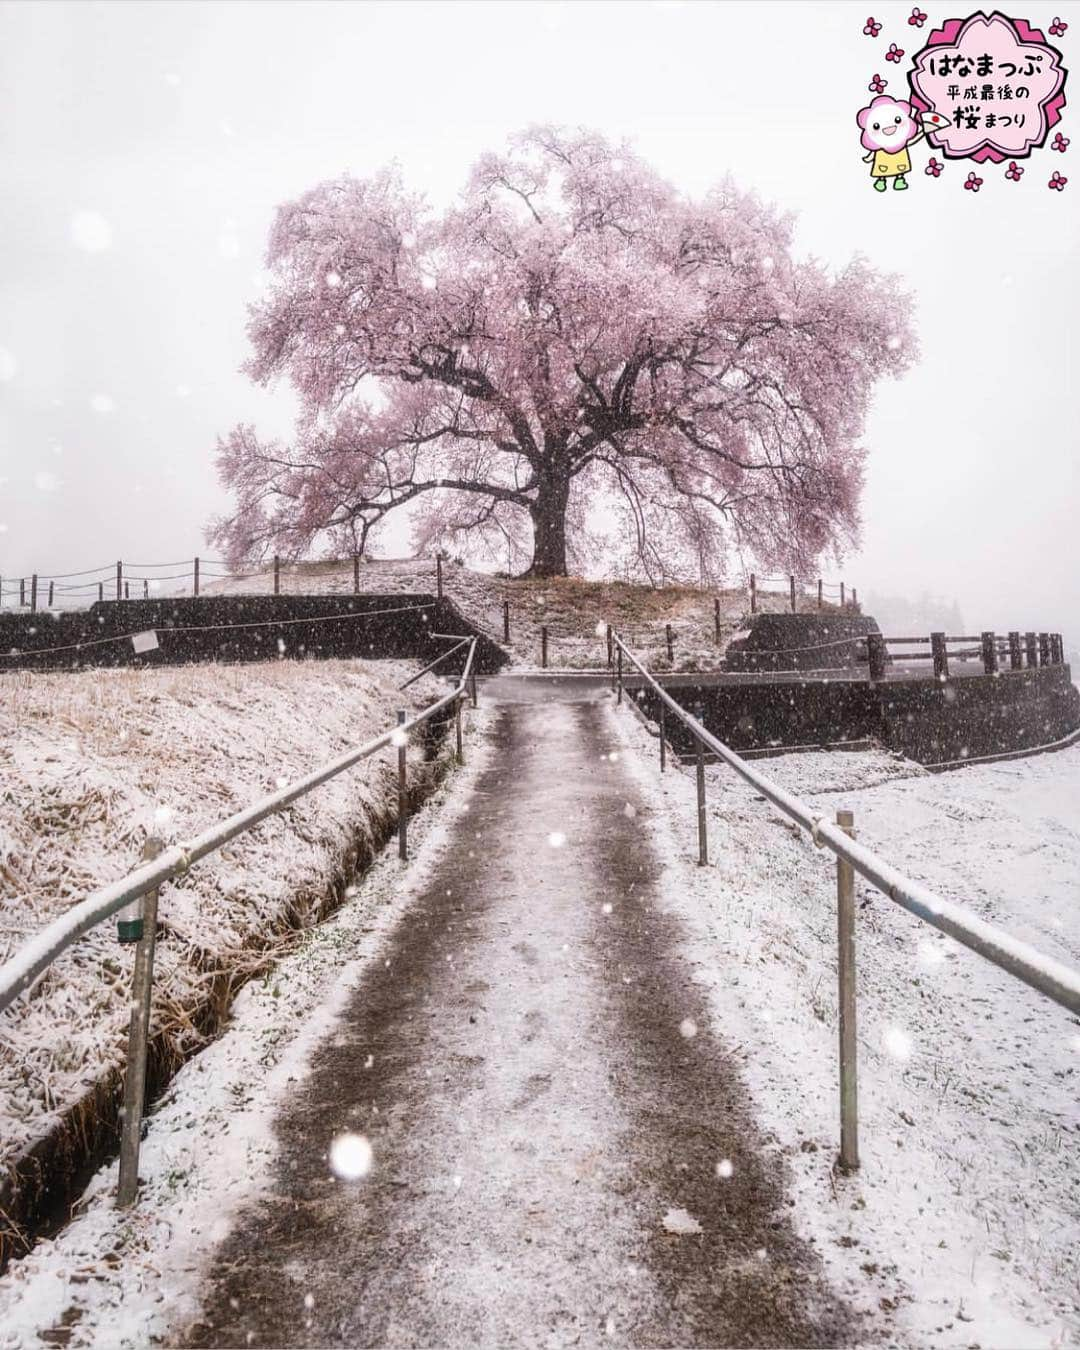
144 642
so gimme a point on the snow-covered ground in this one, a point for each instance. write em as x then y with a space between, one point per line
91 763
965 1216
119 1279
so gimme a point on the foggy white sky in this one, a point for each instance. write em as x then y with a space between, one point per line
184 125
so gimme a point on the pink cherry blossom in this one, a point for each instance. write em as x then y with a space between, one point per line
1058 27
873 28
917 17
1014 171
1057 181
934 167
573 331
894 53
972 183
877 85
1060 142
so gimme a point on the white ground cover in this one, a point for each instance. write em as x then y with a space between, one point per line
119 1279
963 1226
93 762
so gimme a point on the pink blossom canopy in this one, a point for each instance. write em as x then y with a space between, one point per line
572 333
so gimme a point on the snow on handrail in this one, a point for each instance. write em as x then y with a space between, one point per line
1045 973
20 971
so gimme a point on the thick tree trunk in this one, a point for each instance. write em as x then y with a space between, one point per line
549 529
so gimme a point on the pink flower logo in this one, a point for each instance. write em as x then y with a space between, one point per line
935 167
1013 171
877 85
973 184
894 53
873 28
1057 182
1060 142
1058 27
918 18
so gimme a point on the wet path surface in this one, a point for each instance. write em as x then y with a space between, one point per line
535 1110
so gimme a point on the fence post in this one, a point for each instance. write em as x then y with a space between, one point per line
146 588
702 833
753 593
843 602
1059 649
22 592
845 929
854 599
143 932
277 575
716 617
619 677
1029 645
791 582
941 655
119 581
670 644
33 594
127 590
1044 649
543 646
195 585
101 590
438 576
875 650
663 746
50 595
402 795
610 653
506 620
457 721
989 652
820 596
1015 659
356 574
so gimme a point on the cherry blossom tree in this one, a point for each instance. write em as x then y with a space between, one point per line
572 334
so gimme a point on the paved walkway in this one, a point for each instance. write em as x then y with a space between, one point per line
533 1107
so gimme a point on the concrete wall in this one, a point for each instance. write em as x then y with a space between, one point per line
800 641
207 628
926 720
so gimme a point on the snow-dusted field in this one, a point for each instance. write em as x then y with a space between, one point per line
92 763
965 1216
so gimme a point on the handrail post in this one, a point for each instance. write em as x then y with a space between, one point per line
277 575
989 652
702 832
820 595
1032 655
716 617
33 594
543 646
438 576
472 684
875 650
753 593
619 677
1015 659
457 722
506 620
1044 649
663 746
196 585
670 644
402 795
941 656
610 653
143 932
356 574
845 926
791 582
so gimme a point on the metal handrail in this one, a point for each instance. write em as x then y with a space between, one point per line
34 958
438 660
1046 974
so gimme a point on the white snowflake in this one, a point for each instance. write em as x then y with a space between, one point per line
91 232
351 1156
688 1028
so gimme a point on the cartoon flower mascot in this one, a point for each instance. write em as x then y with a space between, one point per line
889 131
